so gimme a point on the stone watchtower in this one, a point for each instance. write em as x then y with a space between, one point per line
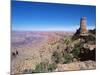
83 28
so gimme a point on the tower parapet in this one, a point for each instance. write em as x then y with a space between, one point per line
83 24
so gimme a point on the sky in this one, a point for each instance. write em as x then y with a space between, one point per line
36 16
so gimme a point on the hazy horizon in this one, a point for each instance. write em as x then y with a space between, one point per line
50 30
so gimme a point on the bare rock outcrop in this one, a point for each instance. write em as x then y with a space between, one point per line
86 65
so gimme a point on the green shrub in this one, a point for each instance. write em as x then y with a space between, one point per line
40 67
76 50
56 57
90 38
45 67
68 58
67 41
51 67
62 57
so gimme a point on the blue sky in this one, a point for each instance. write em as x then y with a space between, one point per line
35 16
